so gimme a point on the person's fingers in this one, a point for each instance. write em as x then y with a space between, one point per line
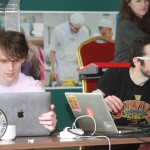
118 101
51 128
78 68
56 77
110 104
46 117
113 103
52 107
49 115
50 123
109 108
48 120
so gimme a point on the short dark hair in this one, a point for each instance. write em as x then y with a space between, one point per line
137 48
13 44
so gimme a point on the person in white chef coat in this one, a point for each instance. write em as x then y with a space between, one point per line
65 40
105 28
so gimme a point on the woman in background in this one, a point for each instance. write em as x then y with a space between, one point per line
135 22
34 63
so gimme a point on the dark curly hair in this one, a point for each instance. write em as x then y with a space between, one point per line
137 48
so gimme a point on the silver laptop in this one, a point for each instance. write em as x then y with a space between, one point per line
93 104
23 110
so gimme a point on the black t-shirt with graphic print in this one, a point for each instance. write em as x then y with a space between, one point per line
136 98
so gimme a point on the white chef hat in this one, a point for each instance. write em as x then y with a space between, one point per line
77 20
105 23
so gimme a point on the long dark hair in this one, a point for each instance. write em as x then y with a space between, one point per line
32 57
127 13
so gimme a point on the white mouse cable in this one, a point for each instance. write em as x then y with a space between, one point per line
90 136
74 123
99 137
74 126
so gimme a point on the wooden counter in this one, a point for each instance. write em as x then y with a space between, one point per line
55 142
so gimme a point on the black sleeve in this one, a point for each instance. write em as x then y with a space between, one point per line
107 83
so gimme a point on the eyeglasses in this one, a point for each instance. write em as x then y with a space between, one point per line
143 58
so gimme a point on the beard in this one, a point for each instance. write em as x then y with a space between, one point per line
146 73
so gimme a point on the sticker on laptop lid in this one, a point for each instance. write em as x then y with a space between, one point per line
3 123
73 103
89 112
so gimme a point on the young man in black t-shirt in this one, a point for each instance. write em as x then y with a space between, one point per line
127 94
127 90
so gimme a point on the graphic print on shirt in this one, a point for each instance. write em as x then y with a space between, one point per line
134 110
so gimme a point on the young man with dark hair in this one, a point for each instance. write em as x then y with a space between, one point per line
13 51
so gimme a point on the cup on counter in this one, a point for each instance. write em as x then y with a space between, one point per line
10 133
6 142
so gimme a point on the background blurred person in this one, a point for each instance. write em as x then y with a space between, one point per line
34 63
134 22
105 29
65 40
